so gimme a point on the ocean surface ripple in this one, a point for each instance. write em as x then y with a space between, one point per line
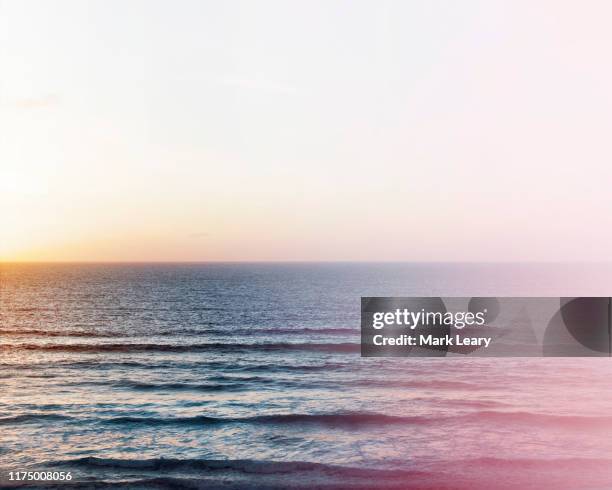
249 376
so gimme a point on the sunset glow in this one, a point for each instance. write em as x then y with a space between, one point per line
454 132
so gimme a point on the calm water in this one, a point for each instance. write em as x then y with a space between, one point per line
156 375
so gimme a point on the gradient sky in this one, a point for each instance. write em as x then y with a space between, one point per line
313 130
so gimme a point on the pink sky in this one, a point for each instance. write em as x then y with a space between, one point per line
202 131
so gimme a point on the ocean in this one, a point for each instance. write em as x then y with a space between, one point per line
249 376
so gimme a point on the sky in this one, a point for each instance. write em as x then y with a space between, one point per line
314 130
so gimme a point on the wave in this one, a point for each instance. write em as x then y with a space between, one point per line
94 364
156 464
478 474
269 467
341 419
347 419
308 330
32 417
328 420
179 332
347 347
58 333
221 383
360 419
259 331
218 383
153 363
251 467
205 387
235 474
268 368
300 419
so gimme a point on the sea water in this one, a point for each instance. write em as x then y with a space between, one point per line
250 375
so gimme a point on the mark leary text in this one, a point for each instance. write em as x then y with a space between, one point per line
431 340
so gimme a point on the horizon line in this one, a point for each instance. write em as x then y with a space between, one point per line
291 261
